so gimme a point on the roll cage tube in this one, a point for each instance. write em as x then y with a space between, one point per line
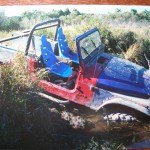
37 27
24 33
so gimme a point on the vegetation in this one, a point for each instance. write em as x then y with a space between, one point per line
26 120
22 114
120 31
14 86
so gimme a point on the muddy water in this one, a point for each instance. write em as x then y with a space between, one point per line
125 133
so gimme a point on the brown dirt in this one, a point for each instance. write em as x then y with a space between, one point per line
52 126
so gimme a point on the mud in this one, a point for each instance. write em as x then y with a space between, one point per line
72 127
116 133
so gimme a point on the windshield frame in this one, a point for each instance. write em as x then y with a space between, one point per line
97 51
89 44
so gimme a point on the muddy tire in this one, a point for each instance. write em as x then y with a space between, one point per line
118 117
119 114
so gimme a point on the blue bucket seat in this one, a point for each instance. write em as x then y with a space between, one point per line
64 50
50 60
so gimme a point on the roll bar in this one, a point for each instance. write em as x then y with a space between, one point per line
34 28
37 27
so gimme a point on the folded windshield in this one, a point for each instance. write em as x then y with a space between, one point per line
89 44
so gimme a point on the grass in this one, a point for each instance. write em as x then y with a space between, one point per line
71 32
141 29
135 53
16 73
24 116
5 34
14 87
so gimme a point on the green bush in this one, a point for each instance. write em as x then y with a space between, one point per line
10 23
125 40
108 39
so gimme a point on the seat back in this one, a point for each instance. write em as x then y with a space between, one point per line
47 53
64 50
62 43
45 43
49 58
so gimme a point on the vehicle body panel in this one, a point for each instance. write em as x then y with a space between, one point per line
6 53
125 77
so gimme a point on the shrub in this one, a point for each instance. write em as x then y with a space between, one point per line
135 53
108 39
125 40
14 81
14 87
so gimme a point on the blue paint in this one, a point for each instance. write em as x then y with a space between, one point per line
141 145
51 61
45 43
64 50
94 54
124 77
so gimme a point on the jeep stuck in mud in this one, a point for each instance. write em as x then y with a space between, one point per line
89 76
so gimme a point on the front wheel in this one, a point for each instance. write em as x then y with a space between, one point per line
121 114
119 117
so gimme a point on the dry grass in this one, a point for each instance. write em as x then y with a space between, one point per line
20 71
14 82
141 29
135 53
14 87
5 34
